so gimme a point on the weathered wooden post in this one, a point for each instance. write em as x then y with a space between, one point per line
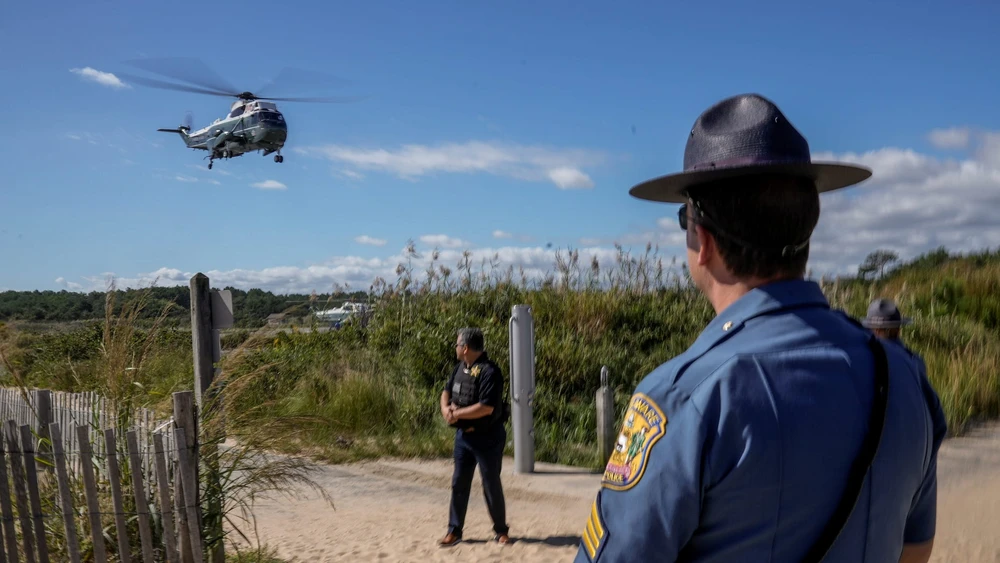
211 311
202 340
42 398
185 421
605 417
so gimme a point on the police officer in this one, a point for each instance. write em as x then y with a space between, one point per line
742 448
884 319
472 402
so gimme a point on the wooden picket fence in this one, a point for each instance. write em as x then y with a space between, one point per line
70 438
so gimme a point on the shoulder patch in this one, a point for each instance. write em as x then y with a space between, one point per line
644 425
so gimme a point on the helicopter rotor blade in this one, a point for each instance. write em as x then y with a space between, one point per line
205 81
171 86
186 69
299 79
334 100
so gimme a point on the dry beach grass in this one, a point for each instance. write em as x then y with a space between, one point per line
361 394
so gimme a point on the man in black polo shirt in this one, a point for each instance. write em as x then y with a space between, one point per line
472 402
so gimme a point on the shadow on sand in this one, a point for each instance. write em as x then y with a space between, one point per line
580 471
554 541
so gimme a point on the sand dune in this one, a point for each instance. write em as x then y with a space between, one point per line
393 510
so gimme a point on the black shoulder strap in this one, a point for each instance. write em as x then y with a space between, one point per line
863 462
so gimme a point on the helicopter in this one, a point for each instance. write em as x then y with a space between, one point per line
253 123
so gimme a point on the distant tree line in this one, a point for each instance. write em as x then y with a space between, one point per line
251 307
254 306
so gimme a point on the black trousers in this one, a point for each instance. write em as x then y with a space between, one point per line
486 451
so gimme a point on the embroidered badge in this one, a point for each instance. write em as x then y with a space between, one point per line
475 371
644 426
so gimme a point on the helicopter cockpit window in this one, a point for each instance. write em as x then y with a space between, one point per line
236 112
271 117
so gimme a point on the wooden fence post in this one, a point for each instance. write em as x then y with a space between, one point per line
186 421
28 447
605 417
20 489
166 511
141 503
10 534
188 471
43 409
201 335
90 487
114 477
65 495
210 312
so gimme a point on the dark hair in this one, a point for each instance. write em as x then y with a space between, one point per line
473 338
761 223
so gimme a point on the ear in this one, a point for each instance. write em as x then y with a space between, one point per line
706 245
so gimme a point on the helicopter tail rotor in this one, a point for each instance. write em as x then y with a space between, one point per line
188 121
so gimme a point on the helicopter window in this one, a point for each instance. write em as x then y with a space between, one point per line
252 119
236 112
271 117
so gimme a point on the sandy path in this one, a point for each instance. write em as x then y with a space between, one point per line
393 510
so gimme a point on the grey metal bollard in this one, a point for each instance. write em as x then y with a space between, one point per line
605 417
522 387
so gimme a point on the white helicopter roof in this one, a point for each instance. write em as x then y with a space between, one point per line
241 107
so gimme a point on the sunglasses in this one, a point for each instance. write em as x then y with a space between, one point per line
682 217
682 220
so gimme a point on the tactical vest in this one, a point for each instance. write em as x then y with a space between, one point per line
465 392
465 388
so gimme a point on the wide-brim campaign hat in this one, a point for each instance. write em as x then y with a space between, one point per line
743 135
883 313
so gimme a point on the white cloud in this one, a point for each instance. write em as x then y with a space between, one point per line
183 178
569 178
562 167
365 239
988 151
953 138
913 203
105 78
270 185
443 241
71 286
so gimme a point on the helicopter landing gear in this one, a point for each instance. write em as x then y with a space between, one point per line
279 158
210 165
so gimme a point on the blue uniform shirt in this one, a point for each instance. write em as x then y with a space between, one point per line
739 449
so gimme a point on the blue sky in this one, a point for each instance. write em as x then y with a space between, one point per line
482 120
